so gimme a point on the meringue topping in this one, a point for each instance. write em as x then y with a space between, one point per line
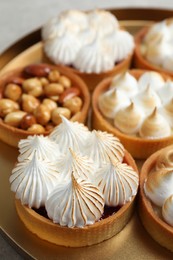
103 147
155 126
165 159
43 146
167 210
119 183
152 79
129 119
75 203
32 180
166 93
158 185
111 101
70 134
125 82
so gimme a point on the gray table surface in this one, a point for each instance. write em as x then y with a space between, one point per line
19 17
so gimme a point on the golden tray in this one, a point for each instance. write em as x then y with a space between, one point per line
133 242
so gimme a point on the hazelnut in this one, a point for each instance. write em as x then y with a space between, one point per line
29 103
33 87
55 116
42 114
14 118
36 129
66 82
7 106
54 76
13 91
51 105
27 121
44 81
53 89
74 104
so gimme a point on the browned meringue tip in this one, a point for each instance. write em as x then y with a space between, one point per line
159 230
139 148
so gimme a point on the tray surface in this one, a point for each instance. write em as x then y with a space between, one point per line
133 241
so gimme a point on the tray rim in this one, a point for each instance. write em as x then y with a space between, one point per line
33 37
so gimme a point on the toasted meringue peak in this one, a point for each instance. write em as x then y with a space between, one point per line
152 79
70 134
104 147
103 21
32 181
111 101
147 100
74 162
129 119
166 93
39 144
167 210
165 159
75 203
158 185
123 45
118 183
125 82
155 126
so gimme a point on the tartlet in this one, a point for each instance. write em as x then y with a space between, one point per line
139 147
158 34
81 201
150 214
11 134
91 48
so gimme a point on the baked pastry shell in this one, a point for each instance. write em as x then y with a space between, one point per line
139 61
138 147
78 237
159 230
92 79
11 135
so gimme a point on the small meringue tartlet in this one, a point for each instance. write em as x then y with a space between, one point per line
156 196
153 47
91 44
135 106
32 98
78 195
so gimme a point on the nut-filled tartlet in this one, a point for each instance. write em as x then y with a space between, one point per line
33 98
153 47
91 44
74 187
136 106
156 196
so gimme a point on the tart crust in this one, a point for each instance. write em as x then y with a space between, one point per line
155 226
11 135
78 237
138 147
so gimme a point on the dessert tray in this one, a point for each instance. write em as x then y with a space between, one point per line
133 241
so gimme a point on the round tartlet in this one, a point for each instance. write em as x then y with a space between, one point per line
10 134
139 61
78 237
138 147
155 226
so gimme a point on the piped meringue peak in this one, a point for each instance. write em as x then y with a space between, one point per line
142 108
62 172
158 44
91 42
159 183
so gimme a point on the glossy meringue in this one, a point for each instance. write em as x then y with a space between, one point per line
32 181
119 183
155 126
111 101
75 203
152 79
158 185
70 135
167 210
103 147
165 159
126 83
129 119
